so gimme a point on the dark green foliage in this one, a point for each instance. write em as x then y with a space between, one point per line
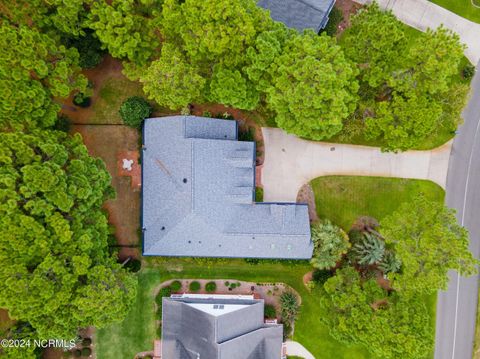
390 263
81 100
89 49
164 292
335 18
176 286
468 71
330 244
63 123
133 265
86 352
246 134
194 286
77 353
211 287
86 342
258 195
134 110
270 312
54 236
320 276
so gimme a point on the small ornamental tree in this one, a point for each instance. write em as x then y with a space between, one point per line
330 244
270 311
134 110
211 287
194 286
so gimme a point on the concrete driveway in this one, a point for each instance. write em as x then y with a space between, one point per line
422 14
297 349
291 162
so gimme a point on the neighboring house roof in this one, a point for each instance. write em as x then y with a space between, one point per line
218 328
299 14
198 196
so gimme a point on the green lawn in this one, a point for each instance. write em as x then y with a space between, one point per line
463 8
343 198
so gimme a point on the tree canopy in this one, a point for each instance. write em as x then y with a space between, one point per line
330 244
313 86
406 86
56 271
429 241
362 312
34 68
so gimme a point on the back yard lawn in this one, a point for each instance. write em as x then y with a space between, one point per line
464 8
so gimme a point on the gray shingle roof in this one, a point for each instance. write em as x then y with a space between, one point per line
198 196
188 332
299 14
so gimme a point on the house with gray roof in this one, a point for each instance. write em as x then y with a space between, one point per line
300 14
198 196
218 327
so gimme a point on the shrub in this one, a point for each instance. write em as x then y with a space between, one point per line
86 342
194 286
270 311
134 110
206 114
158 314
81 100
468 71
247 134
233 286
77 353
227 283
335 18
133 265
253 261
86 352
164 292
176 286
320 276
63 123
258 198
211 287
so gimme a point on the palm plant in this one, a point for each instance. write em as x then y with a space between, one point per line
390 263
370 250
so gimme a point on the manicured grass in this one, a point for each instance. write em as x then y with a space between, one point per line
343 199
463 8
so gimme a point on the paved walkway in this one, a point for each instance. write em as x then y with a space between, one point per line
295 348
291 162
423 14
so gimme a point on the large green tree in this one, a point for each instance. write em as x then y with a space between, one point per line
171 81
408 91
388 325
34 68
313 86
56 271
330 244
213 31
127 28
429 242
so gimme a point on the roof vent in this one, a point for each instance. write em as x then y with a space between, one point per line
163 228
185 180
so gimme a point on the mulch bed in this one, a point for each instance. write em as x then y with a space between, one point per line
306 195
348 8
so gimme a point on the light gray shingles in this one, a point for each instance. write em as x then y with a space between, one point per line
198 196
299 14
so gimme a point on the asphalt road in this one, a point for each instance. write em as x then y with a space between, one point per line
457 307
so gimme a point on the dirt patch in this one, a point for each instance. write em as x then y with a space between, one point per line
348 9
246 120
107 142
306 195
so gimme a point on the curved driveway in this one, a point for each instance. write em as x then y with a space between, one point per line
290 162
457 307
